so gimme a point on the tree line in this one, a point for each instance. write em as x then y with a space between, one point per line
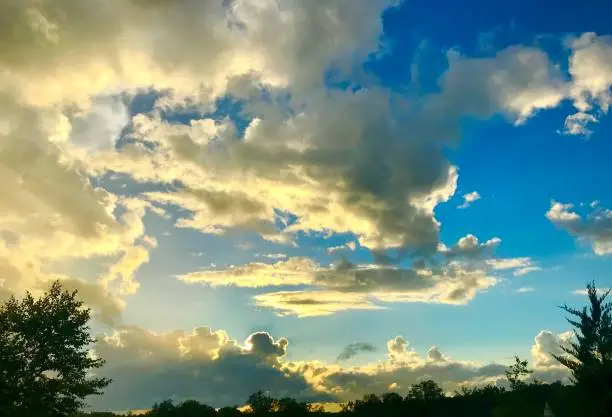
45 371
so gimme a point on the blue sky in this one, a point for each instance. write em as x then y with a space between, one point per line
242 167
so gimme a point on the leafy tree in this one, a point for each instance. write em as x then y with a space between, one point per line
291 406
164 408
392 398
260 403
44 360
229 412
517 372
192 408
425 391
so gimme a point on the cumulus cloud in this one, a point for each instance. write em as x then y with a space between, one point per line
354 349
547 344
595 228
468 199
591 71
470 247
518 81
405 367
203 364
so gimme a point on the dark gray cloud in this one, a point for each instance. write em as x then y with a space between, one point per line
354 349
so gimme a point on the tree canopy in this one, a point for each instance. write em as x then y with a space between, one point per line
44 357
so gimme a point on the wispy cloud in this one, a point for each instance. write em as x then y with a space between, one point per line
468 199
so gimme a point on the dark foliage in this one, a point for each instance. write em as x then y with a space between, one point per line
44 361
589 358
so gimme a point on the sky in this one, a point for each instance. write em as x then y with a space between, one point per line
317 199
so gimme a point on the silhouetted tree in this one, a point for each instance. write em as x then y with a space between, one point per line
229 412
260 403
589 358
517 372
291 407
44 359
164 408
425 391
192 408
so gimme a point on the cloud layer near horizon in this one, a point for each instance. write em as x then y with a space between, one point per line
209 366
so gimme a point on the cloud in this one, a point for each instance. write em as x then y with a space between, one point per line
66 52
293 271
585 292
595 228
468 199
354 349
548 344
405 367
526 270
517 82
99 127
577 124
274 255
523 290
20 273
293 165
347 286
203 364
349 246
434 354
469 247
313 303
509 263
590 66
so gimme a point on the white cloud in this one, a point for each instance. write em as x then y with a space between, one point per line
585 292
577 124
548 344
351 246
470 247
468 199
525 290
526 270
591 71
509 263
595 228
